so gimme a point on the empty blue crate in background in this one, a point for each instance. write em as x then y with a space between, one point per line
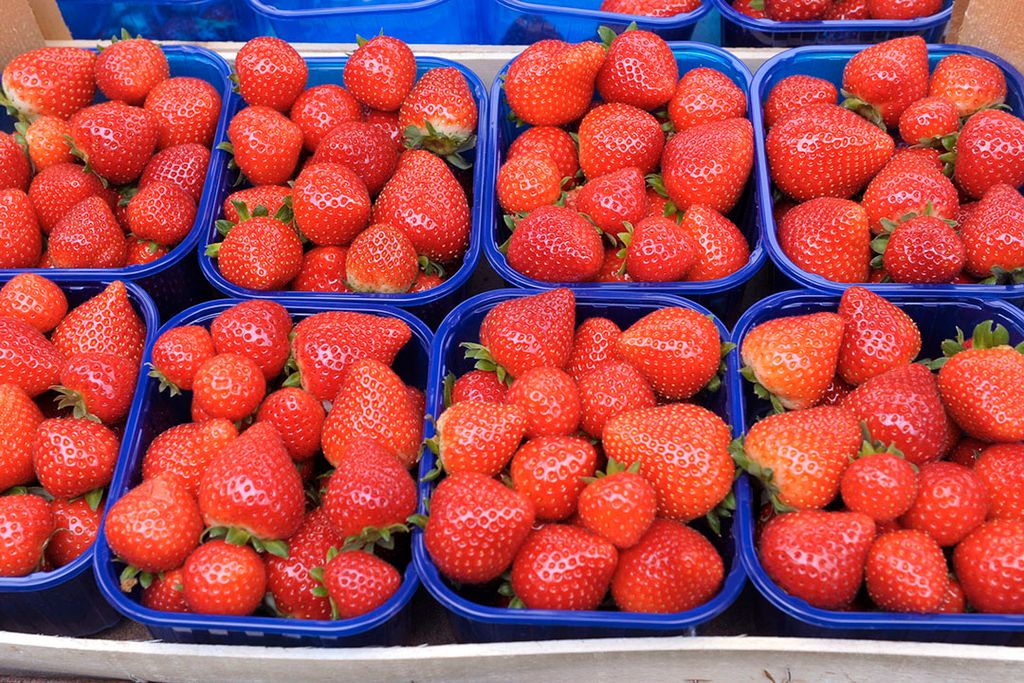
203 20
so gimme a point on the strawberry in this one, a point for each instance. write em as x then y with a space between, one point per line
257 329
270 73
266 145
140 252
161 212
639 69
549 400
73 457
614 199
270 197
1001 468
386 122
906 572
828 237
927 120
289 580
547 142
612 388
593 344
165 593
704 96
298 417
365 149
800 456
901 10
793 358
478 385
439 114
613 268
183 166
563 567
550 471
476 527
45 141
971 83
671 569
658 250
75 525
750 8
878 336
721 247
106 323
880 485
683 452
987 563
177 355
990 151
954 601
528 182
20 241
917 158
325 344
551 83
331 204
228 385
818 556
98 385
27 359
614 136
823 150
882 80
619 505
794 93
556 244
992 234
358 582
155 526
474 436
836 391
26 524
923 250
709 164
115 139
50 81
19 420
899 190
55 190
967 451
185 450
221 578
373 402
260 253
381 259
527 332
323 270
425 201
381 72
795 10
88 236
15 171
129 68
320 109
951 502
650 8
186 110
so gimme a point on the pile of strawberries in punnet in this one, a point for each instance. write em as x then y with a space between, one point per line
637 187
66 382
883 473
247 504
605 454
105 185
921 187
831 10
338 203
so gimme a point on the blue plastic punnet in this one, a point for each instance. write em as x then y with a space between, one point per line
202 20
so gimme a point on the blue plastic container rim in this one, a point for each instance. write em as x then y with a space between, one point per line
500 263
759 87
206 209
103 561
643 21
744 517
833 25
734 580
40 581
343 11
484 145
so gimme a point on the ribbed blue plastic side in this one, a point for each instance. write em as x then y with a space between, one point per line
432 304
153 413
201 20
739 30
473 619
66 601
722 296
937 319
828 63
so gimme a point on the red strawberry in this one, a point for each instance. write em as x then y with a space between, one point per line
257 329
614 136
14 164
228 385
954 601
165 593
818 556
476 527
614 199
881 485
289 580
704 96
528 332
186 109
990 151
259 253
473 436
747 8
323 270
528 182
613 267
967 451
177 355
298 417
721 247
547 142
550 401
220 578
609 390
185 450
878 336
882 80
55 190
987 563
161 212
992 234
794 93
550 471
672 569
795 10
106 323
331 204
657 249
88 236
98 385
593 344
183 166
73 457
381 72
551 83
115 139
556 244
26 525
906 572
479 385
683 453
927 120
363 148
270 73
619 505
971 83
639 70
27 359
903 9
140 252
75 525
19 420
951 502
794 358
709 164
50 81
905 187
1001 468
270 197
439 114
923 250
129 68
828 237
358 582
381 259
563 567
266 145
46 143
651 8
320 109
20 241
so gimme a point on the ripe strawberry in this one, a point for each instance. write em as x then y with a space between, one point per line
613 268
186 110
551 83
927 120
967 451
228 385
323 270
19 420
320 109
1001 469
474 436
903 9
795 10
44 139
129 68
260 253
75 525
704 96
923 250
550 401
990 151
115 139
183 166
185 450
906 572
905 187
50 81
270 73
563 567
951 502
266 145
639 69
55 190
141 252
619 505
528 332
614 136
439 114
971 83
828 237
818 556
26 525
381 259
386 122
793 93
556 244
381 72
476 527
177 355
364 148
882 80
98 385
221 578
27 359
593 344
992 234
794 358
478 385
358 583
614 199
672 569
848 9
609 390
106 323
88 236
270 197
155 526
747 8
878 336
880 485
256 329
15 170
721 247
954 601
425 201
526 183
331 204
683 452
161 212
550 471
917 158
709 164
657 249
547 142
20 241
165 593
73 457
289 580
650 8
298 417
987 563
373 402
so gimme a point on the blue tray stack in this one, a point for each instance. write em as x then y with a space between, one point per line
202 20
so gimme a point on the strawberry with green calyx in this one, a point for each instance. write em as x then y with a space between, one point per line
881 81
177 355
440 115
991 234
473 436
552 82
50 81
260 252
129 68
381 72
289 584
921 249
657 249
551 471
223 578
879 483
563 567
618 504
26 525
556 244
356 582
639 69
97 386
970 82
